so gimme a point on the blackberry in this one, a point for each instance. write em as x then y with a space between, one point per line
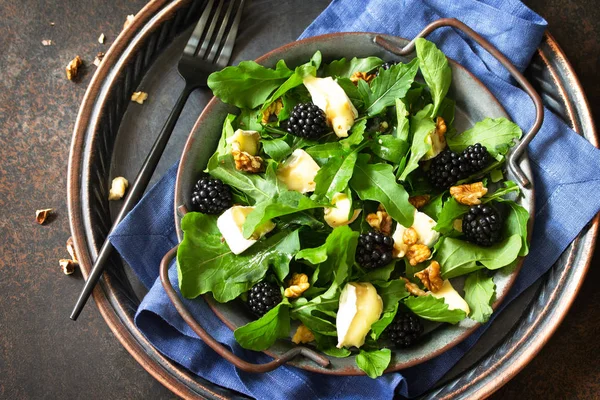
405 330
447 168
263 297
386 66
482 225
211 196
308 121
374 250
477 157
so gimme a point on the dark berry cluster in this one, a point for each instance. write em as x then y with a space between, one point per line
211 196
482 225
405 330
374 250
449 167
308 121
263 297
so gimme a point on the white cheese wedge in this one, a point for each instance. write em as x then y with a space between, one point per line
423 225
247 141
329 96
298 172
230 224
451 297
338 215
360 306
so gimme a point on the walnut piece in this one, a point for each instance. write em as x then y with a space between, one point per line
139 97
412 288
380 221
430 277
440 127
73 68
303 335
71 249
357 76
117 188
101 38
297 285
98 59
469 193
246 162
410 236
67 266
417 253
42 215
46 42
128 21
271 112
419 201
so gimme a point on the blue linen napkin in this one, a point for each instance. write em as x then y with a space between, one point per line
566 168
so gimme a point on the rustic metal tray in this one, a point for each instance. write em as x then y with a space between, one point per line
112 136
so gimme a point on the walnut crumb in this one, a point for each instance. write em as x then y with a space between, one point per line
412 288
380 221
410 236
270 114
303 335
469 194
42 215
419 201
297 285
246 162
117 188
431 277
440 127
101 38
73 68
46 42
139 97
417 253
98 59
71 249
357 76
67 266
128 21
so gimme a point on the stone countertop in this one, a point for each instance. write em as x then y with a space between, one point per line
45 355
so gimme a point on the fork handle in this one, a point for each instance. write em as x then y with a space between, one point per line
134 195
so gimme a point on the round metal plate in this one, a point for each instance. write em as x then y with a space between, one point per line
112 136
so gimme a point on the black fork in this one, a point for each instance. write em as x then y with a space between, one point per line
204 53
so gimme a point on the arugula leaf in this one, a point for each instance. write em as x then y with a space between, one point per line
435 69
388 86
509 187
301 72
259 335
327 344
458 257
303 310
321 153
223 147
497 135
333 177
205 263
434 207
391 293
479 294
374 362
402 129
377 182
389 148
421 125
248 84
433 309
378 274
387 317
357 133
451 210
352 93
284 203
253 185
300 218
277 149
447 110
345 69
249 120
516 223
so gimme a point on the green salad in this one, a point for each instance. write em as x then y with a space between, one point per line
341 197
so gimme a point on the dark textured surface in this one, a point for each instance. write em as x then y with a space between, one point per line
45 355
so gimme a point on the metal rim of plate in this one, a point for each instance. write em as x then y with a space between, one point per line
102 109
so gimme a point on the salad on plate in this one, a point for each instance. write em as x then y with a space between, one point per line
341 205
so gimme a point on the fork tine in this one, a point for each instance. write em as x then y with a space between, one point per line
217 43
211 29
230 40
194 40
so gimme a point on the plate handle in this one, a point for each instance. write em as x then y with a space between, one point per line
518 151
218 347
